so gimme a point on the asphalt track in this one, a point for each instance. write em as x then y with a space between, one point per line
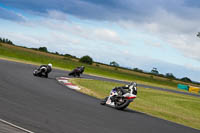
44 106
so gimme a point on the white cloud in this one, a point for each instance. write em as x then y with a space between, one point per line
55 14
88 32
152 43
178 32
61 39
192 67
108 35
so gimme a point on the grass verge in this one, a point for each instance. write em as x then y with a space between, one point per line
177 108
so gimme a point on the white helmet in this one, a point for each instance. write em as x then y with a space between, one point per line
50 65
132 84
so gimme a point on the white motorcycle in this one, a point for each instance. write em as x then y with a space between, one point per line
121 101
40 72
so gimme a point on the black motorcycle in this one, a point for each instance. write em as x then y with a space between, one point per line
77 71
40 72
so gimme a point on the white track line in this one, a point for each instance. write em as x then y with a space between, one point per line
15 126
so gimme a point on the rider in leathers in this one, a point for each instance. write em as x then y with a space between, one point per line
46 69
125 89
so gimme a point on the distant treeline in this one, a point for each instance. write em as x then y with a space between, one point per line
44 49
169 76
5 40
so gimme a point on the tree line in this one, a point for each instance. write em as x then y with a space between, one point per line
155 72
85 59
5 40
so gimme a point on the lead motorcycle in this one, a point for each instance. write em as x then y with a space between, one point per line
118 100
40 72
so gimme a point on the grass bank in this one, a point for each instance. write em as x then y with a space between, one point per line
177 108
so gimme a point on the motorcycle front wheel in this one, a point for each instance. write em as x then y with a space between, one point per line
122 104
103 102
35 72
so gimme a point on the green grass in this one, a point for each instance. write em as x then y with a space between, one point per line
36 57
177 108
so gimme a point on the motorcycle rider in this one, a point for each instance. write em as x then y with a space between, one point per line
46 69
81 69
121 90
77 71
124 89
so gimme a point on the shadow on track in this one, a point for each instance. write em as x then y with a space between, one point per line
132 111
127 110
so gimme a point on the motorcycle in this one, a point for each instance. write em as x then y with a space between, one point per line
118 100
40 72
77 71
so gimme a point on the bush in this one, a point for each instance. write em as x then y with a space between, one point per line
154 71
170 76
86 59
186 79
115 64
137 70
43 49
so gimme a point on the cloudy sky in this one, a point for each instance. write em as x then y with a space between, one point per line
134 33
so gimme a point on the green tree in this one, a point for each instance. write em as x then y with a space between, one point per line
10 42
56 53
170 76
137 70
198 34
4 40
115 64
43 49
186 79
154 71
86 59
